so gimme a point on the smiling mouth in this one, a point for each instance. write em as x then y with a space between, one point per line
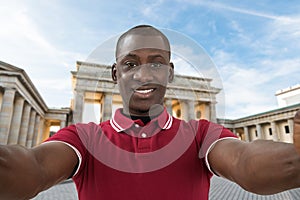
145 91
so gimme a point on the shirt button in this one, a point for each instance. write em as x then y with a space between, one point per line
136 125
144 135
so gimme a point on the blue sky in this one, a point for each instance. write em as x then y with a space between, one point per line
255 45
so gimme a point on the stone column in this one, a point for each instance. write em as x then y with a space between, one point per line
78 106
62 124
46 131
274 131
31 129
207 111
291 127
16 121
258 129
187 109
107 106
191 111
24 124
213 115
6 114
39 137
246 133
36 130
234 131
1 97
168 104
184 110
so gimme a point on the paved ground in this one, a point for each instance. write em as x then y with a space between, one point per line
221 189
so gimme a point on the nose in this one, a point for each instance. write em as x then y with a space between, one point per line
143 74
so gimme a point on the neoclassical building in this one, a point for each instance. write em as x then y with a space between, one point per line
274 125
25 118
96 96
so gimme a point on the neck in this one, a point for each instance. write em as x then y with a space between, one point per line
154 111
144 119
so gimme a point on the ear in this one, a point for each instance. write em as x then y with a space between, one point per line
171 72
114 73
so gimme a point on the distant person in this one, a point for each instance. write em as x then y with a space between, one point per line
143 152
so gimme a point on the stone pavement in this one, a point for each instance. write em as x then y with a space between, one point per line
221 189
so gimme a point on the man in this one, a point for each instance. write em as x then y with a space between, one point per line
143 152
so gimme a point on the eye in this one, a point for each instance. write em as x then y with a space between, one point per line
130 64
155 65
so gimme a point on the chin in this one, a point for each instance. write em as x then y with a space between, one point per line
153 110
142 110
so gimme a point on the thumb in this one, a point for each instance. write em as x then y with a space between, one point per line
296 135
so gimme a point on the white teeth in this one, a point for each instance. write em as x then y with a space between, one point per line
144 91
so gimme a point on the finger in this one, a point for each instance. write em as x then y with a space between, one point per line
296 135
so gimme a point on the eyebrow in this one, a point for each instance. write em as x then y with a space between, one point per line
156 56
129 55
132 55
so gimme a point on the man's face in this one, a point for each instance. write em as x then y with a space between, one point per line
142 71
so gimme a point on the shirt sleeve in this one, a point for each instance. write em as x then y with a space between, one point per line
208 135
209 150
71 138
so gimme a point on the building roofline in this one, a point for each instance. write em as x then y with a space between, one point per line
261 114
286 90
78 63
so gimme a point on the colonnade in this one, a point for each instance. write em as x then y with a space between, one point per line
276 130
20 123
191 109
180 108
80 97
186 97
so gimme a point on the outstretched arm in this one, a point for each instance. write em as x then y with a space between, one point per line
296 135
26 172
261 166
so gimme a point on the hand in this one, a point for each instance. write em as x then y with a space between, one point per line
296 136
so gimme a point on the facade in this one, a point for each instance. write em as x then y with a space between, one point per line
288 96
274 125
96 96
25 119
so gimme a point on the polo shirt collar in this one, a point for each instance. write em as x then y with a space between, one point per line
120 122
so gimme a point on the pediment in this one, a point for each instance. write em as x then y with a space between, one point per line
8 67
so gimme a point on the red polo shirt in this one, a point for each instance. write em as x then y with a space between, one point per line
125 159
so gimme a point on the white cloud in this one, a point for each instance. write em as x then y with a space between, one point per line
250 89
25 46
227 7
253 63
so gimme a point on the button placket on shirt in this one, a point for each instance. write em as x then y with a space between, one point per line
143 141
144 136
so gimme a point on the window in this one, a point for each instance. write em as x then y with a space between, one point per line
256 135
270 131
198 114
178 113
287 129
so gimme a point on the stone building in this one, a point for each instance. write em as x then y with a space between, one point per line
24 117
96 97
288 96
275 124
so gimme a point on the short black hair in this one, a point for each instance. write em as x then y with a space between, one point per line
144 29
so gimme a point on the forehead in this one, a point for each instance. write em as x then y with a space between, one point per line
135 42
